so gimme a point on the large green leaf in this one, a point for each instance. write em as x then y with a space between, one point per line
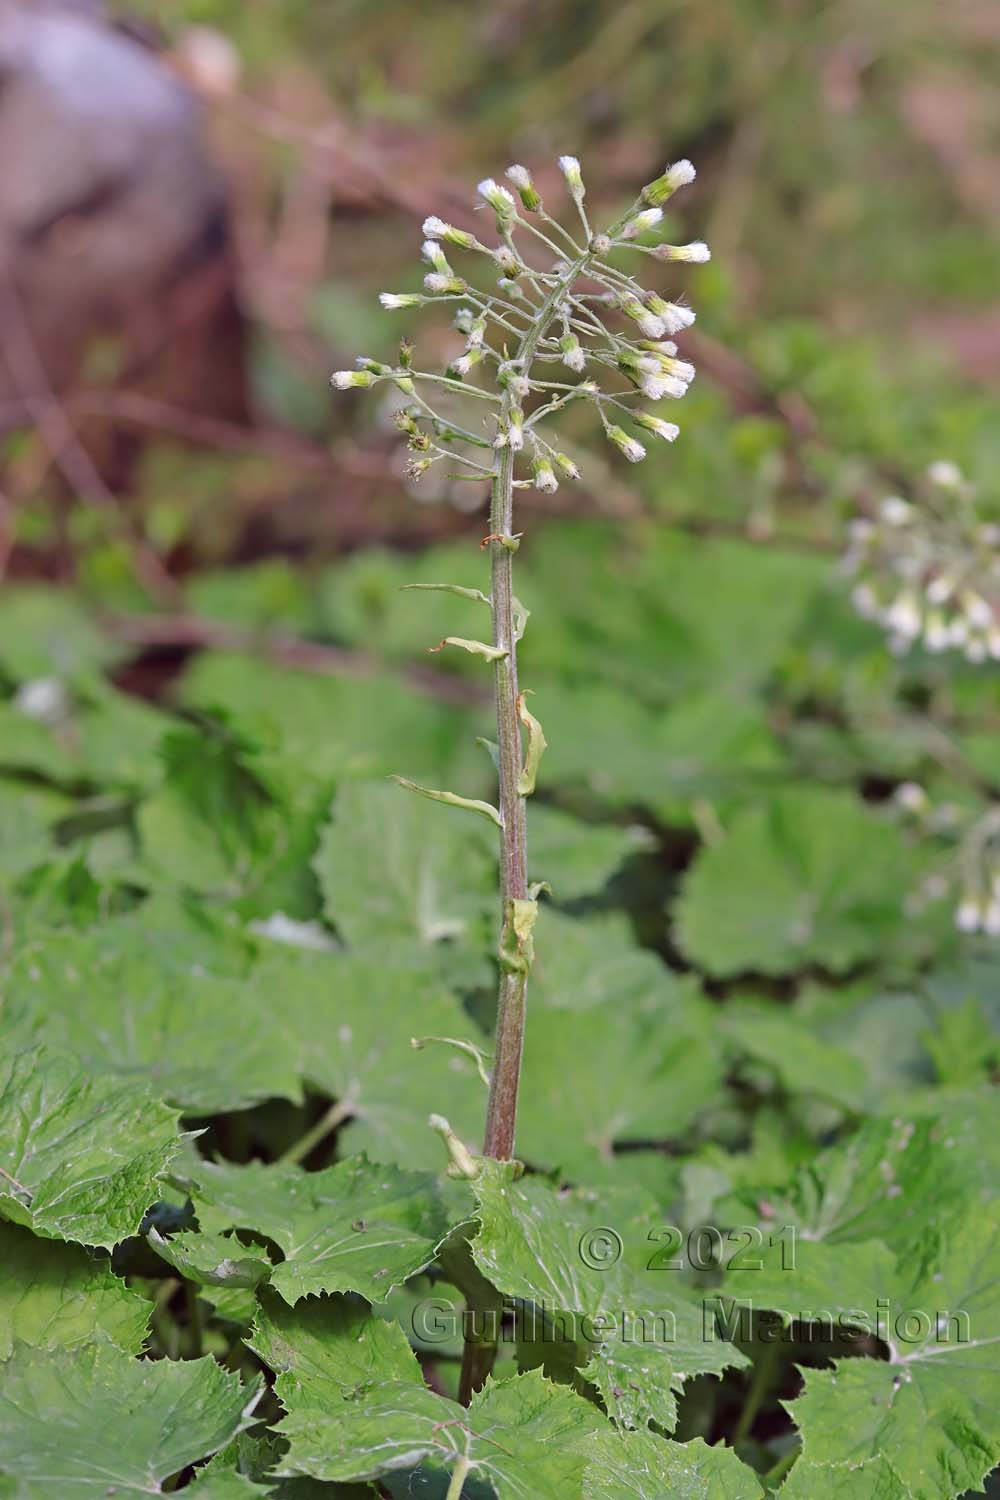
80 1157
353 1017
329 1343
323 727
922 1425
93 1422
564 1252
143 999
810 877
889 1181
54 1296
617 1049
216 816
48 633
27 817
393 865
241 1472
520 1437
355 1227
638 1466
216 1260
575 858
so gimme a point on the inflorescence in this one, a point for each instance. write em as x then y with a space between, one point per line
929 572
560 308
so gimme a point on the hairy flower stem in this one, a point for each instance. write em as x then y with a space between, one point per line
501 1112
479 1353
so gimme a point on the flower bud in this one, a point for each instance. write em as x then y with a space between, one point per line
499 200
393 301
566 466
629 446
672 316
439 284
650 323
476 332
570 168
464 363
676 176
968 916
507 260
437 229
572 352
697 252
668 431
544 476
945 475
895 511
527 192
642 223
344 380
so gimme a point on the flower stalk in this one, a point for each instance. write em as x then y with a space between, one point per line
562 305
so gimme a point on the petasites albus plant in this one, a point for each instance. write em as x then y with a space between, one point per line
549 317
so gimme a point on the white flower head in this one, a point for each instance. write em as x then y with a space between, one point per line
676 176
569 166
544 476
910 796
895 511
680 174
498 198
697 253
42 698
976 610
968 916
435 256
673 317
507 260
393 301
668 431
865 601
904 616
345 380
656 387
681 369
573 356
438 282
642 223
434 228
522 180
940 588
937 636
945 474
629 446
567 468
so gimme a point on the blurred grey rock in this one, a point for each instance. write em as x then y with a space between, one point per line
109 203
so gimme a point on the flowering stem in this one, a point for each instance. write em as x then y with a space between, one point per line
502 1109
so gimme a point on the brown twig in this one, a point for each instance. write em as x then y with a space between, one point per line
194 632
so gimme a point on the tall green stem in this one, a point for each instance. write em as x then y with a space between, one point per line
501 1114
